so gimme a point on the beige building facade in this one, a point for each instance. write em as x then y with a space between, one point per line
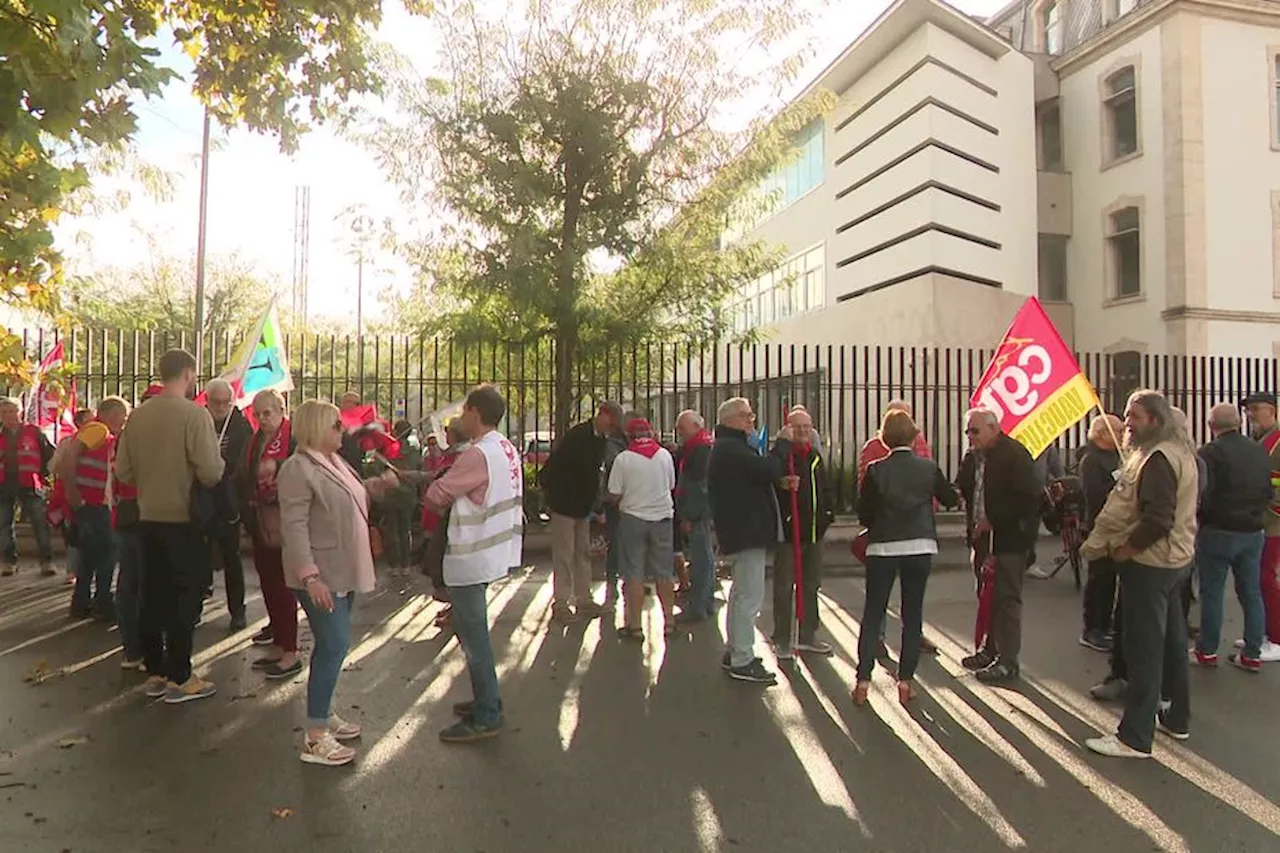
1119 158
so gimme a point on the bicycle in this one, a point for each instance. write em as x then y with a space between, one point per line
1064 513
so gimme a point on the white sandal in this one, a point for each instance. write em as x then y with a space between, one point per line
326 751
342 730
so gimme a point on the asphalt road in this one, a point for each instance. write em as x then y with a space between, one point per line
611 746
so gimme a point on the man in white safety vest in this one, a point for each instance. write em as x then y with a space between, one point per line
485 488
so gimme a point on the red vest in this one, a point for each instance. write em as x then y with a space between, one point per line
92 469
120 491
29 461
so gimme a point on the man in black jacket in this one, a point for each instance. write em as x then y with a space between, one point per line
814 504
571 480
1099 465
694 511
1232 514
1004 502
744 509
234 433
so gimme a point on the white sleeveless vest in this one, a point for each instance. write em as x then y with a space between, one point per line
485 541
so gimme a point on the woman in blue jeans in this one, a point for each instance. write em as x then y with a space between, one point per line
324 521
895 504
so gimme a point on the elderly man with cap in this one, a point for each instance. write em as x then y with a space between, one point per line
641 482
1262 417
1232 514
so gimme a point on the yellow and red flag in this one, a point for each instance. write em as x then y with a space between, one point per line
1033 382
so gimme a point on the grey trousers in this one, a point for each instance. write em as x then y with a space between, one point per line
1155 649
1005 637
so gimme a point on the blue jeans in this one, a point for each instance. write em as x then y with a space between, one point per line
332 633
33 512
129 592
96 563
471 624
1217 552
745 599
702 568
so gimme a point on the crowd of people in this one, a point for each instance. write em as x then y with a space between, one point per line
165 490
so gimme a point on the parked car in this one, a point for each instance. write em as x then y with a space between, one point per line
536 448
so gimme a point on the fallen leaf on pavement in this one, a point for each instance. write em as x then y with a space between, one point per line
282 813
39 673
68 742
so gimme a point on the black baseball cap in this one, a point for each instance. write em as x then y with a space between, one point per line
1259 397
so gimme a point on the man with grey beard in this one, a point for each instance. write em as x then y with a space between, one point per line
1148 527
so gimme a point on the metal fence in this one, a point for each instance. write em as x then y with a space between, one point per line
845 388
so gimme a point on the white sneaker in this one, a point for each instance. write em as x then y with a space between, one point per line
1270 652
1112 747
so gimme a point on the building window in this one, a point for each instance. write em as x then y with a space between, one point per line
796 287
1053 268
1125 242
1049 120
1051 27
1121 114
801 172
1119 8
1275 100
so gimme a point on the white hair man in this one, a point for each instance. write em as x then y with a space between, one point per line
745 513
1003 494
25 454
234 434
1148 526
694 511
1230 539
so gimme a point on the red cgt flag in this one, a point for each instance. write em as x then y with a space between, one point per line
1033 382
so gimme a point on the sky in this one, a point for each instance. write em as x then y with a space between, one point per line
252 185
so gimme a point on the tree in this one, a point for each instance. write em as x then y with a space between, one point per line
157 296
71 71
574 168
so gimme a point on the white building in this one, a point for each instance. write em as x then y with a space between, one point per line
1065 147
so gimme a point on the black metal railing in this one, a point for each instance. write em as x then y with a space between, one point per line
845 388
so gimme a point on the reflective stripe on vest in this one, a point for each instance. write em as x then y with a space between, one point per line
484 541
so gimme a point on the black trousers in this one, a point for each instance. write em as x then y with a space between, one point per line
175 572
226 542
1155 647
1100 594
397 536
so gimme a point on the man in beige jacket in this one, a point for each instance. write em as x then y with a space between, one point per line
1148 528
167 446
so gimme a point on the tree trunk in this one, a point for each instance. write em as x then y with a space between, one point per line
566 356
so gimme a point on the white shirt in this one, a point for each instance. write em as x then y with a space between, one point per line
644 484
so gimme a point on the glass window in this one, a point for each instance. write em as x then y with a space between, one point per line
1053 268
1050 122
1126 251
1122 7
1051 25
795 287
1122 113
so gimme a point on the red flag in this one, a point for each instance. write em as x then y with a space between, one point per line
359 416
1033 382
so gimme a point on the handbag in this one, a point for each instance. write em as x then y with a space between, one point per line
269 525
859 545
375 542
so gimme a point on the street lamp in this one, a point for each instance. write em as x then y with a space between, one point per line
360 225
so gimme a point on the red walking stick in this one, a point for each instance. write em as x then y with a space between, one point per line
986 593
796 550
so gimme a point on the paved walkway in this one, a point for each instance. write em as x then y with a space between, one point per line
613 746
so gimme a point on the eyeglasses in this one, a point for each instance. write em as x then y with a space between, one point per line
973 431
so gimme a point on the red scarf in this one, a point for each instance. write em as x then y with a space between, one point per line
277 450
646 447
701 438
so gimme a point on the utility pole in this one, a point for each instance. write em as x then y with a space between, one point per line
200 244
360 225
